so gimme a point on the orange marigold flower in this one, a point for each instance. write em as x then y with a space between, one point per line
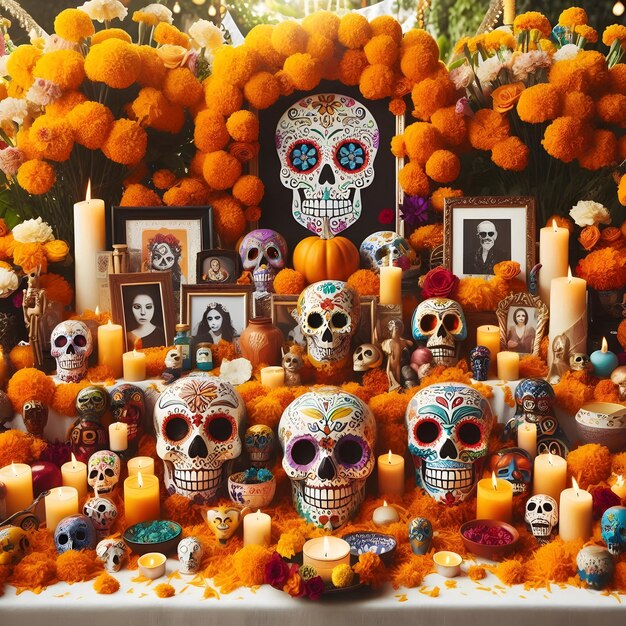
574 16
376 82
106 584
420 56
182 87
487 128
243 126
252 214
592 64
611 108
62 106
365 282
565 138
153 70
532 20
601 151
615 32
603 269
589 464
421 140
110 33
566 76
151 108
244 151
578 104
397 106
610 235
30 256
221 170
320 47
561 222
303 70
432 94
539 103
186 192
507 270
222 96
370 569
165 33
511 154
139 195
497 39
137 173
289 37
210 132
230 221
285 83
324 22
126 143
113 62
57 288
413 180
387 25
439 197
235 64
164 179
36 177
66 68
351 66
589 236
451 125
398 147
505 97
21 63
56 250
262 90
259 39
249 190
354 31
91 123
443 166
588 33
30 384
52 137
381 49
197 163
617 78
73 25
289 282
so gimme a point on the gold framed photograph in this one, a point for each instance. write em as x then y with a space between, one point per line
523 321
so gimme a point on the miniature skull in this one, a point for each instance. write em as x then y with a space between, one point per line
618 377
542 516
448 426
173 359
440 322
13 545
224 521
259 444
75 532
328 438
480 358
385 248
420 535
367 357
613 527
513 465
328 315
199 422
71 344
35 415
204 357
102 513
580 362
595 566
92 401
292 364
128 405
264 253
189 555
112 552
326 145
103 471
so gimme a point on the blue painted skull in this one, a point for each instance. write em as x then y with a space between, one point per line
480 358
75 532
595 566
420 535
613 526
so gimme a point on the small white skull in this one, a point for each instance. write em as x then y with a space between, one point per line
174 359
541 517
189 555
367 357
264 253
103 471
71 344
440 322
385 247
102 513
328 315
580 362
112 552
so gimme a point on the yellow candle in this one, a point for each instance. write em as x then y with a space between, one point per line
152 565
111 347
447 564
134 366
619 487
575 509
495 499
18 482
257 529
89 239
325 553
508 365
144 464
527 438
390 285
60 502
74 474
118 436
141 499
509 12
489 336
549 475
385 514
273 376
553 252
390 474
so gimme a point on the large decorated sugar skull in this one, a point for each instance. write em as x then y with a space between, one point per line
328 438
326 145
128 405
263 252
385 248
328 314
613 527
71 344
103 471
199 423
440 323
448 426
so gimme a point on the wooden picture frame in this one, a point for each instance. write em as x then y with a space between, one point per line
125 288
534 328
229 267
480 231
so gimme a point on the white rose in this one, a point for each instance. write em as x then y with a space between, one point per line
8 281
33 231
104 10
162 13
589 213
568 51
206 34
489 69
13 110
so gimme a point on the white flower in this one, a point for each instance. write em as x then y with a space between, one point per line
489 69
10 160
529 62
54 42
43 92
3 65
162 13
462 76
33 231
568 51
590 213
13 110
104 10
206 34
8 281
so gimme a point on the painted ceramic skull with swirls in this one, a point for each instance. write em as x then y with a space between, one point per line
71 344
263 252
385 247
328 438
448 426
328 314
128 405
199 423
326 145
259 444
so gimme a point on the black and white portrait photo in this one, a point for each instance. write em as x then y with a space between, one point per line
143 315
521 329
486 242
218 266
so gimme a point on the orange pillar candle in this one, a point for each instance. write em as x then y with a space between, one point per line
509 12
111 347
527 438
74 474
257 529
141 499
134 366
390 474
18 482
495 499
508 365
390 285
143 464
60 503
575 511
324 554
549 475
489 336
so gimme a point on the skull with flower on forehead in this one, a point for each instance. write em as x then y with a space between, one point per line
385 247
199 422
103 471
326 145
328 314
264 253
328 438
448 426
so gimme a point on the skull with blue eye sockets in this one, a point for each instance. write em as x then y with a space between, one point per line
259 444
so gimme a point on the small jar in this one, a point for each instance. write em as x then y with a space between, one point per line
204 357
182 339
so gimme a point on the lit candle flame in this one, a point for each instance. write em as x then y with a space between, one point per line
134 353
554 226
97 311
139 479
326 547
575 486
385 503
151 563
569 274
389 457
550 457
13 468
494 481
448 560
73 461
109 323
88 192
605 346
619 482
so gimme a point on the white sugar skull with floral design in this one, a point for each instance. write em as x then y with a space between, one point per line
385 247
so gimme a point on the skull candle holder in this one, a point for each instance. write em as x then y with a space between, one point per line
263 253
71 344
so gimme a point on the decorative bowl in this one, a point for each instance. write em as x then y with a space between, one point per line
378 543
254 495
134 537
484 550
603 423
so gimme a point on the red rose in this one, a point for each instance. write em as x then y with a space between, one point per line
314 588
440 283
276 571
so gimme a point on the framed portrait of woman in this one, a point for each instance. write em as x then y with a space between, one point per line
523 321
143 304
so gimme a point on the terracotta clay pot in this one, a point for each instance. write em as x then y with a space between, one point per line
261 342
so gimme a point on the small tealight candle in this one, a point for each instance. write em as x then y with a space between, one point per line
273 376
145 464
619 487
575 513
118 436
527 438
74 474
324 554
152 565
134 366
18 482
494 499
60 503
508 365
447 564
390 474
549 475
257 529
385 514
604 361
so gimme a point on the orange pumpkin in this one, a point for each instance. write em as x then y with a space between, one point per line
326 258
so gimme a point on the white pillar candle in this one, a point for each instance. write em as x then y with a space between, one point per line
549 475
134 366
74 474
390 285
509 12
508 365
553 253
18 483
257 529
60 503
272 376
118 437
527 438
390 474
575 512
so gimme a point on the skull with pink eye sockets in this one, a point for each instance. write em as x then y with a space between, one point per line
71 344
263 253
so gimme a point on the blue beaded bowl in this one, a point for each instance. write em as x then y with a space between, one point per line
166 546
378 543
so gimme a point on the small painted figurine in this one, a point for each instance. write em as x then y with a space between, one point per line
34 305
292 364
393 348
420 535
204 357
87 435
35 416
542 516
560 359
173 365
480 358
224 521
580 362
513 465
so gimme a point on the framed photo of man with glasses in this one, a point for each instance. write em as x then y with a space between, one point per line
482 231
